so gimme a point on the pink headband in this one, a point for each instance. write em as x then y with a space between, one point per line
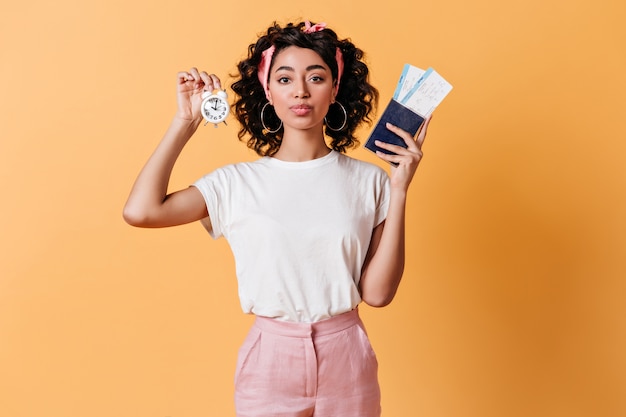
266 59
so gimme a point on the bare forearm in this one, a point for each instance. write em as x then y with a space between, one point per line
381 276
150 188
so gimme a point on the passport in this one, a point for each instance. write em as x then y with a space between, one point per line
398 115
418 92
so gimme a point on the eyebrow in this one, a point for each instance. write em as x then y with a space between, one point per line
309 68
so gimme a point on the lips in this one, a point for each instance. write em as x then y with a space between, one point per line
301 109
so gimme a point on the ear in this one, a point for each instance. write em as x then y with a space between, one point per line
269 97
334 93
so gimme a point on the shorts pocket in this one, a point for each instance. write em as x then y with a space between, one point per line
251 341
368 350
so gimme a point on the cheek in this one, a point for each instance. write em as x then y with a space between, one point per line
276 98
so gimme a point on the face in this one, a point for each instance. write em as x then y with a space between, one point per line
300 88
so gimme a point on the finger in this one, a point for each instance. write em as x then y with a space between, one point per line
194 73
207 80
406 136
385 156
397 149
183 77
399 154
391 158
215 80
211 81
197 78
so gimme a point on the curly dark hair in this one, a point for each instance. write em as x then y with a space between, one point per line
356 94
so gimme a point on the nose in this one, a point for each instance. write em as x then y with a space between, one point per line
301 90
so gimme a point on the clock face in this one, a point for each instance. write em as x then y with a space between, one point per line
215 109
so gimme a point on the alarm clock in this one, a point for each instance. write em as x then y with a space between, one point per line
214 107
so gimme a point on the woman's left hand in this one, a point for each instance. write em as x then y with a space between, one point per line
407 159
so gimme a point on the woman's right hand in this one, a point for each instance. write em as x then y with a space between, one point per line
149 204
190 87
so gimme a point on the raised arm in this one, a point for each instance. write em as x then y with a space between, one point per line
384 263
149 204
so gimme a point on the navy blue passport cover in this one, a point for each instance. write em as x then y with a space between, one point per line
398 115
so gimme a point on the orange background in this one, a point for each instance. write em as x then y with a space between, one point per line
513 301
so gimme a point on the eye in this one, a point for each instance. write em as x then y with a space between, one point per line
317 79
283 80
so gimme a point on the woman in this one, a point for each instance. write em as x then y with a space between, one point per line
313 232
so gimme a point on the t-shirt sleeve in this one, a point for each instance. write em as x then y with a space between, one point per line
213 187
382 197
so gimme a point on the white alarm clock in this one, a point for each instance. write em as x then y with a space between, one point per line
214 107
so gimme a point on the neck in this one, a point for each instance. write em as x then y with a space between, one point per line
300 146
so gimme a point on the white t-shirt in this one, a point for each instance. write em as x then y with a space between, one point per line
299 231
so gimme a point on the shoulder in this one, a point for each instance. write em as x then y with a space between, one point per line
360 166
237 169
232 174
363 175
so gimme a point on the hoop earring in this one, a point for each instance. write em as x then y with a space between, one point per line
345 119
263 122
